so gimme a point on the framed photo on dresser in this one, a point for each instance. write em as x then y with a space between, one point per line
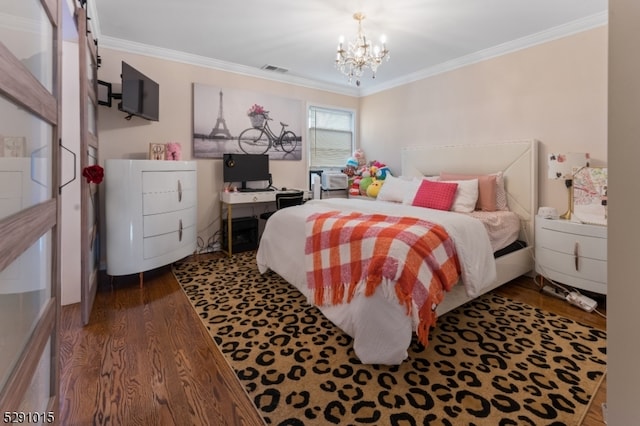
13 146
157 151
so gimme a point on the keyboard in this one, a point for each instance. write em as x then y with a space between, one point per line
254 189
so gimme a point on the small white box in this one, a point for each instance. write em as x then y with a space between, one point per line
334 180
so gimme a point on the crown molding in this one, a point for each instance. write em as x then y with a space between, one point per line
555 33
574 27
191 59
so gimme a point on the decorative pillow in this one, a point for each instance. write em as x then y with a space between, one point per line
486 189
501 193
394 189
413 186
435 195
466 195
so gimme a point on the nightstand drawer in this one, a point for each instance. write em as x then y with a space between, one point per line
580 267
573 244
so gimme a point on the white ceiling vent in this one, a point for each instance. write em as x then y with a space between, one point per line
268 67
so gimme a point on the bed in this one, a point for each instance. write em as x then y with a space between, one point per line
379 324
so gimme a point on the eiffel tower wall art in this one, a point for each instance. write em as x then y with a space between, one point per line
246 122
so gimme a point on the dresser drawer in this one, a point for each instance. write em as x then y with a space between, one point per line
161 245
163 181
160 202
164 223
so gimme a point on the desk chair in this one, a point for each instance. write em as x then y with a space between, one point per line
285 199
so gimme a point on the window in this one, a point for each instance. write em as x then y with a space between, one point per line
331 140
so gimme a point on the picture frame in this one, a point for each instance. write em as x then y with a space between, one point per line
157 151
590 195
222 115
13 146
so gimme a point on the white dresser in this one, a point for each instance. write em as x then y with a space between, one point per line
151 214
572 253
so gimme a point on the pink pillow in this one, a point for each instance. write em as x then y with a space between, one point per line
486 189
435 195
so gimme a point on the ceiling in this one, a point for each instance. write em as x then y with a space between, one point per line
300 36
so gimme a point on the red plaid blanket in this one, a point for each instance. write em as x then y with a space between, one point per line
345 251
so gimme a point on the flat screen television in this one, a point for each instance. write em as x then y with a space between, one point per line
245 168
140 94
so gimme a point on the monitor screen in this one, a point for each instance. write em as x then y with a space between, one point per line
245 167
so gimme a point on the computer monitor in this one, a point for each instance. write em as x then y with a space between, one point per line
245 168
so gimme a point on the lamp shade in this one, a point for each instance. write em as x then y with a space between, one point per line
561 165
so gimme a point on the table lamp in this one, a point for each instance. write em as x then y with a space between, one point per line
561 167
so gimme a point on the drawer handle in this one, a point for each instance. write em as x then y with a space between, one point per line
576 254
179 190
180 230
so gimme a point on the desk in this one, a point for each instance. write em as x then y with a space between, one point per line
229 199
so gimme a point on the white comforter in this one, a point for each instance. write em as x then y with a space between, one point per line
378 324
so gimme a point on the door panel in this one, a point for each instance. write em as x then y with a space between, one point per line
25 289
29 38
29 204
88 156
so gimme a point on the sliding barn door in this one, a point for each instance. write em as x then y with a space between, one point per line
30 88
89 244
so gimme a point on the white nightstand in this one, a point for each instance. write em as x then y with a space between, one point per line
572 253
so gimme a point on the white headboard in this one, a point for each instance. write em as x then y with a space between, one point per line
517 160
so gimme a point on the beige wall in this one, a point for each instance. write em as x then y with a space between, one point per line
120 138
555 92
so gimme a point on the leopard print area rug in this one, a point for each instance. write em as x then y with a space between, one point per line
493 361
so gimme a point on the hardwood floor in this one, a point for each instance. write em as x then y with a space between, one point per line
146 359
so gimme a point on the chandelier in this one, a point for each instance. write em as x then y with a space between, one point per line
359 54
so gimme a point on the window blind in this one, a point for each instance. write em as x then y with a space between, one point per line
330 137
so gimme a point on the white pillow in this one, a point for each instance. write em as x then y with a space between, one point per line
466 195
393 189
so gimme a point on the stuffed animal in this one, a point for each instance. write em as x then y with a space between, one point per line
382 172
173 151
364 184
374 188
350 169
358 154
354 188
